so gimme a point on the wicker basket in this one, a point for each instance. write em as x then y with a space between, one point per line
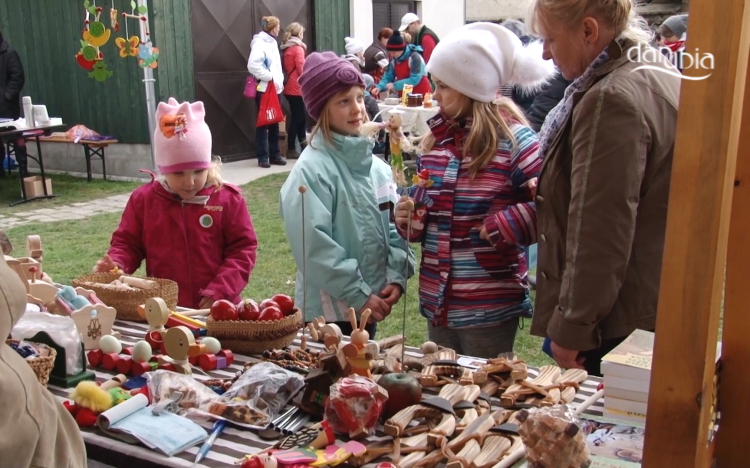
126 302
42 365
246 337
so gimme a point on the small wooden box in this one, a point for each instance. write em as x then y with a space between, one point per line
34 188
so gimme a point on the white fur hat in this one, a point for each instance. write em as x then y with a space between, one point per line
478 58
354 45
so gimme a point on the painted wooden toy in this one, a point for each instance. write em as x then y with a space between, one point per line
178 343
92 317
359 354
157 315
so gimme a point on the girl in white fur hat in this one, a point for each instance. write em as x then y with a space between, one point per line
480 156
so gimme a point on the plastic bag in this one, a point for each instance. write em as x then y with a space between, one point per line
553 438
258 396
355 405
60 328
270 108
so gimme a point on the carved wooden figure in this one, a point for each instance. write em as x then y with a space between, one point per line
358 353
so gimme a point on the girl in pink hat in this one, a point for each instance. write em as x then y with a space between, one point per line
189 225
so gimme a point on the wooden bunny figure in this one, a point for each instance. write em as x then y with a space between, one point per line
358 354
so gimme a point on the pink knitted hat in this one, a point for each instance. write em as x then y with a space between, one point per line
182 140
323 76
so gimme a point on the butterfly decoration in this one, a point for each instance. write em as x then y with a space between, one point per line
128 47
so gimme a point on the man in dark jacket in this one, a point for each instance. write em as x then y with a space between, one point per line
11 84
546 100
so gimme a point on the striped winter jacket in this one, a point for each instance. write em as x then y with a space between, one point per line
464 281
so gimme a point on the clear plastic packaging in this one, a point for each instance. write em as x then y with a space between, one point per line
60 328
253 401
354 406
553 438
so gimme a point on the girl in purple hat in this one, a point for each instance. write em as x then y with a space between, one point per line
353 254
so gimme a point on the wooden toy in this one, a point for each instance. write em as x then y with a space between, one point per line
157 315
178 342
519 391
439 410
93 320
359 353
329 334
122 363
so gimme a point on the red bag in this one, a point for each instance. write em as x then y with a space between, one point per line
270 107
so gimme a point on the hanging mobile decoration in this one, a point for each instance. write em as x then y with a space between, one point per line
147 53
95 34
113 18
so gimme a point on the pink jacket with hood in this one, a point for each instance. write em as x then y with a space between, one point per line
208 249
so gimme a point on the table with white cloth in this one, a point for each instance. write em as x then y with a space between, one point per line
233 443
414 118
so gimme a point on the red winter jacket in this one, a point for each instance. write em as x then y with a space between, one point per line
208 250
292 62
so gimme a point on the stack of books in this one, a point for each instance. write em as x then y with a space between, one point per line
627 376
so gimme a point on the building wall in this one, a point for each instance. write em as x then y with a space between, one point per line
493 10
442 16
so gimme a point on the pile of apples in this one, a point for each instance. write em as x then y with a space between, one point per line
275 308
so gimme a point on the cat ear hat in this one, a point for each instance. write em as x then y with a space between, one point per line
182 140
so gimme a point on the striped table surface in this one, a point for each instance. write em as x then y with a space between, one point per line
233 443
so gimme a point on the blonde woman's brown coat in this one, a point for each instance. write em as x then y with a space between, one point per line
602 206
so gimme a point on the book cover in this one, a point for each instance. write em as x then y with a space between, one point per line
627 406
614 369
636 351
134 421
624 383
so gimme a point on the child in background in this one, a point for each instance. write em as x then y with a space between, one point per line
189 225
354 257
406 67
478 212
355 52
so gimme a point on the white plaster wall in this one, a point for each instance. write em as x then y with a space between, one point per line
493 10
360 21
442 16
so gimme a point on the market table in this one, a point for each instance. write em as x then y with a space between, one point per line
414 118
233 443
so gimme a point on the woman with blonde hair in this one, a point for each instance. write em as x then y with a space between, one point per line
603 191
293 60
264 64
478 213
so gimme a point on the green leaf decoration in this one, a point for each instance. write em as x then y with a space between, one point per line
83 44
132 4
86 4
92 10
143 9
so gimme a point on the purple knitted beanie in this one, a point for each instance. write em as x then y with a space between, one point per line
324 75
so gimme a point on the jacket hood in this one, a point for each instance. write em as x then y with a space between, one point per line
12 298
410 48
263 36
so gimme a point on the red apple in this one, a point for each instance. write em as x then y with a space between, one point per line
248 310
268 303
286 303
271 313
223 310
403 391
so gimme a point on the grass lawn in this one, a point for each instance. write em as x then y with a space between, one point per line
69 190
71 249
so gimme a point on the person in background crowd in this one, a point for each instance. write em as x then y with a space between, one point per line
376 56
293 60
423 36
373 113
354 256
673 33
406 67
355 52
604 188
11 83
479 156
188 225
264 64
37 430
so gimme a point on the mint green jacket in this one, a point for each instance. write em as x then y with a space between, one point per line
352 248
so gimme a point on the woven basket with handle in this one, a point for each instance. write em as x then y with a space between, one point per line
126 302
254 337
41 365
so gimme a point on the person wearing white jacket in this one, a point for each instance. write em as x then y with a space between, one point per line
265 65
